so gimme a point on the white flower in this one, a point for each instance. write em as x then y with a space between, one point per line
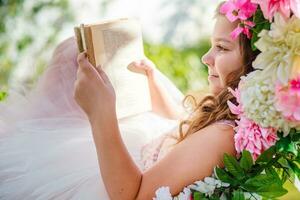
278 47
185 195
163 193
258 100
215 182
208 186
203 187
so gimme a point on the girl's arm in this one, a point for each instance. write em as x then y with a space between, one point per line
162 102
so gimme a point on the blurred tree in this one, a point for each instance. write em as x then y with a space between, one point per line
182 66
28 32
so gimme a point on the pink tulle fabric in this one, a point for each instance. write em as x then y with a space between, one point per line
53 95
47 150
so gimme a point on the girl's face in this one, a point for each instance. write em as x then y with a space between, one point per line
224 55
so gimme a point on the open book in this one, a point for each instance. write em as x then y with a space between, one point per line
113 45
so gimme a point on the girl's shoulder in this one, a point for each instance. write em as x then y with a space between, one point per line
226 122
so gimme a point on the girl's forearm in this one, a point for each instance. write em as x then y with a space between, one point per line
121 176
164 104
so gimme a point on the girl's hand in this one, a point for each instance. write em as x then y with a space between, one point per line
93 91
144 66
162 103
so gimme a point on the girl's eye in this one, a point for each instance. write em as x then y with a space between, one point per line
221 48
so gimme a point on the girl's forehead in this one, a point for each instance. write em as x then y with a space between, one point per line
223 28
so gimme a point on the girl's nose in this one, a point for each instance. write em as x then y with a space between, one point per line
207 59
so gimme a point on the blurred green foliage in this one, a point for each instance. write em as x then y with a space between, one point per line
21 21
182 66
3 95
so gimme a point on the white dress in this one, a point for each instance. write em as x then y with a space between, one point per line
46 145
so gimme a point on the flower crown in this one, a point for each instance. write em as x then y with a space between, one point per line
267 137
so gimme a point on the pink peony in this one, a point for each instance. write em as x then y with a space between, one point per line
284 7
253 138
249 135
288 100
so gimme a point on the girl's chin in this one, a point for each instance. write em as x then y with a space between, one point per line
215 90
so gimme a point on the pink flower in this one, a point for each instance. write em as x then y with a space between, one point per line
235 109
243 27
284 7
238 9
295 84
249 135
288 100
253 138
295 7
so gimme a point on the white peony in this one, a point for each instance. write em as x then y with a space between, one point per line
258 100
278 47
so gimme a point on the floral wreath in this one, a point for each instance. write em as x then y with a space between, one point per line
267 137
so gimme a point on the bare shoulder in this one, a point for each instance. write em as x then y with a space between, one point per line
192 159
218 138
216 132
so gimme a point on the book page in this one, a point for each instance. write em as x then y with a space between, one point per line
119 44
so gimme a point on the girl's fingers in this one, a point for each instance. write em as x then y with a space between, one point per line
137 68
103 75
85 67
81 59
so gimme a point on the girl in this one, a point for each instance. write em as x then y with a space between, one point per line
51 148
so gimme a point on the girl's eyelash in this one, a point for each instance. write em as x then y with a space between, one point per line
219 47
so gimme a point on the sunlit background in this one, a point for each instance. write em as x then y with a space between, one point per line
176 35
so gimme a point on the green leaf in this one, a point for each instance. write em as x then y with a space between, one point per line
224 176
261 180
294 167
246 161
253 40
272 191
238 195
271 172
260 24
296 137
267 155
286 145
197 196
233 166
285 176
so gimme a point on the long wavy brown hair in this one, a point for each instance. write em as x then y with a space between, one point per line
214 108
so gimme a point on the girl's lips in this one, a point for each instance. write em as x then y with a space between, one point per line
212 77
